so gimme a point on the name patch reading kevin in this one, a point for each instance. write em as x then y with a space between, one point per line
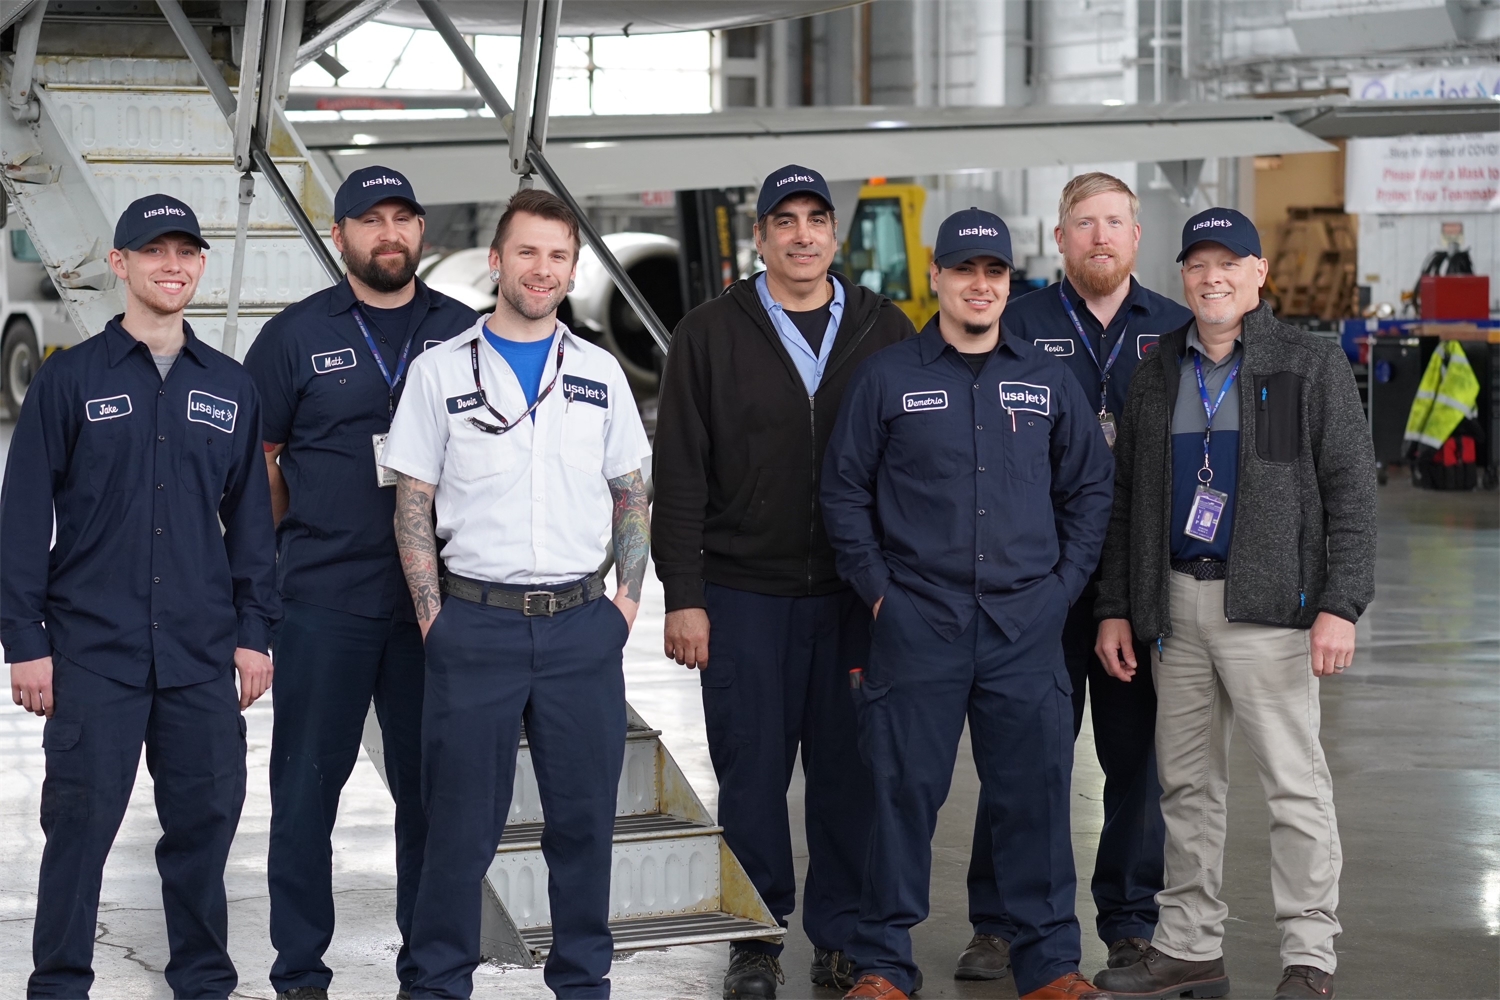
107 409
463 404
581 390
333 361
916 402
1057 348
1027 397
217 413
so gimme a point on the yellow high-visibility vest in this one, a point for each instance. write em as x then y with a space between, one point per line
1449 392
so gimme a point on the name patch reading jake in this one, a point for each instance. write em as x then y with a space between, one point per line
464 403
333 361
916 402
107 409
581 390
1144 342
1057 348
217 413
1025 396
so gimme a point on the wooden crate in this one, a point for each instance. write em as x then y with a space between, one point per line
1314 272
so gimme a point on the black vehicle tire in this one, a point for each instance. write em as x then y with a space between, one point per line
20 356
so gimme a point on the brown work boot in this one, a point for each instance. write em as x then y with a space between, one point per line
875 988
986 957
1298 981
1158 976
1070 987
1127 951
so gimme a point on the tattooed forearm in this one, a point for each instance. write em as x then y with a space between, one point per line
417 541
632 533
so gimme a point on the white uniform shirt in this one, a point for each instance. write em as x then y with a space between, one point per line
532 505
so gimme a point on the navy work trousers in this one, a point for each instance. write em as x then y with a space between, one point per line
778 676
195 751
329 665
488 670
1016 696
1128 866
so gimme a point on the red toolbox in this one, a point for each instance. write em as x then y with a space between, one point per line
1456 296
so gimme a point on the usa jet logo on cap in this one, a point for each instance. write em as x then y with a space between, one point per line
1214 224
215 411
584 391
464 403
1027 397
916 402
333 361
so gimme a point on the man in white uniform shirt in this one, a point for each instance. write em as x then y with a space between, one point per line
526 441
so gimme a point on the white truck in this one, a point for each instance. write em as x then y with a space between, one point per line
33 320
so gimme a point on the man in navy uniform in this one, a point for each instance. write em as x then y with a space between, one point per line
330 370
966 491
525 442
1101 323
142 441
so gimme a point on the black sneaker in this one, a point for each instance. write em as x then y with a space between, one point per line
752 974
832 969
303 993
986 957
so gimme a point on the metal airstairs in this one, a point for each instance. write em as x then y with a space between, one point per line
87 134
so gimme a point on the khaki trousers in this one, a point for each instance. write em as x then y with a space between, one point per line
1210 674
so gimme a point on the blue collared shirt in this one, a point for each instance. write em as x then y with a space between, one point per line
140 473
809 365
325 399
968 491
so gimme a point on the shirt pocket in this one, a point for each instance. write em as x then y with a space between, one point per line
1028 447
203 461
583 438
473 454
110 453
1278 417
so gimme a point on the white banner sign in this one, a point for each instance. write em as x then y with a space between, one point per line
1446 82
1412 174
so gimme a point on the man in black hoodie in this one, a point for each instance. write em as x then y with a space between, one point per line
752 386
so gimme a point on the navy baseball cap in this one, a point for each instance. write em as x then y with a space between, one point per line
1223 226
155 215
789 180
369 186
969 234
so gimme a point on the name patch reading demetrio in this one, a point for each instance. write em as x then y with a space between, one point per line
916 402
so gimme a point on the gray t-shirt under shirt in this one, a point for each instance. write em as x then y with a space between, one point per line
164 363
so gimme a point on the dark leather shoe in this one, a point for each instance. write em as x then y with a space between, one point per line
832 969
752 974
1070 987
303 993
1127 951
1299 981
986 957
1158 976
875 988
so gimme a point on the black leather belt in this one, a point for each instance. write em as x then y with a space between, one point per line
1199 569
540 601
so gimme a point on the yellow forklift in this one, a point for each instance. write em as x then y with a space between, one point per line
883 249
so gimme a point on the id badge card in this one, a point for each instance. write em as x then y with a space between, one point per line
383 476
1204 515
1107 425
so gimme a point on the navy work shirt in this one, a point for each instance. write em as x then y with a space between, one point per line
989 490
1039 317
325 399
140 473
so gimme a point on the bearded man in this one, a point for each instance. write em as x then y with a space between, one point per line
1101 323
330 370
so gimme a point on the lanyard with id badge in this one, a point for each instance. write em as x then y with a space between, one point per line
1106 419
1208 503
383 476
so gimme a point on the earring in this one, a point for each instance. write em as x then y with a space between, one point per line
495 276
571 283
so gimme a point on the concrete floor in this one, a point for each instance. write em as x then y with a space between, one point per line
1411 734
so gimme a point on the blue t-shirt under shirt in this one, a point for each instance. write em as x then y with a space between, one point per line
528 359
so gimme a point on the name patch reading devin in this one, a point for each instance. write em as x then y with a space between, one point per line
581 390
916 402
217 413
1027 397
464 403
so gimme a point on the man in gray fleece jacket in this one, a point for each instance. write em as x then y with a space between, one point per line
1242 543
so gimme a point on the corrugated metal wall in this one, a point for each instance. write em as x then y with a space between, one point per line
1393 248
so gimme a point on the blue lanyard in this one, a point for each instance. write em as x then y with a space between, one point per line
1114 353
390 381
1210 410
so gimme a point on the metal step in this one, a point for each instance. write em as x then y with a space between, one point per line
655 826
638 780
641 933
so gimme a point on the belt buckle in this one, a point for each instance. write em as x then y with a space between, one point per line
548 609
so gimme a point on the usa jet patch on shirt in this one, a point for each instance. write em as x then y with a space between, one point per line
108 408
218 413
581 390
916 402
1027 397
464 403
333 361
1057 348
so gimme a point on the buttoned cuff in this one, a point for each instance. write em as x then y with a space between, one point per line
29 642
682 592
872 583
255 633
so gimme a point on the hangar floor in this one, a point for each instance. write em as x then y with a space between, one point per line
1411 734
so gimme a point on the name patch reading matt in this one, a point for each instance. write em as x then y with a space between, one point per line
333 361
583 391
1144 342
464 403
107 409
1057 348
916 402
1027 397
217 413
